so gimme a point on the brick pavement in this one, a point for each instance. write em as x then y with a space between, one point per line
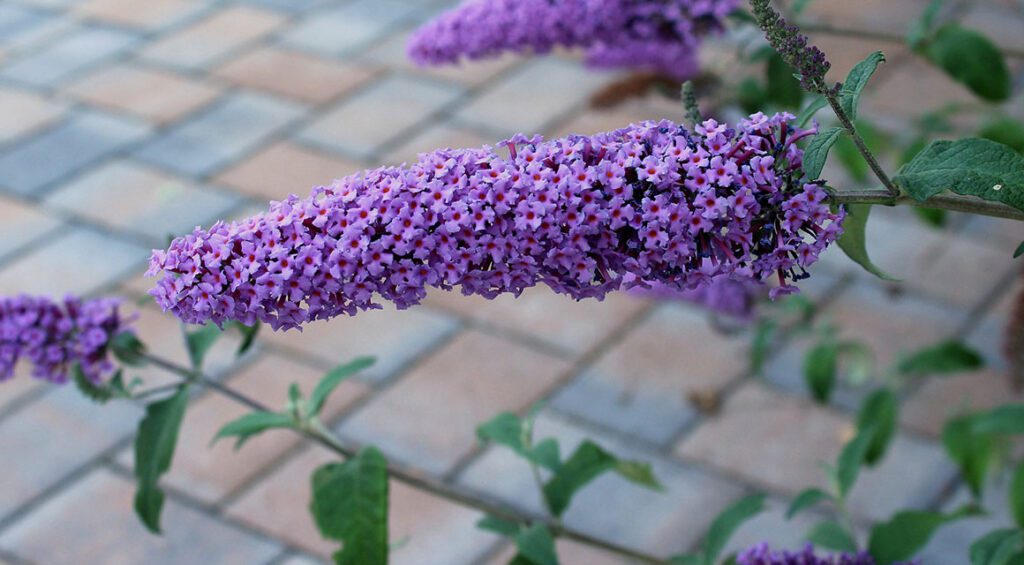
122 124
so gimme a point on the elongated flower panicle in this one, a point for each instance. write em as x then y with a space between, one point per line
761 554
53 336
654 202
659 35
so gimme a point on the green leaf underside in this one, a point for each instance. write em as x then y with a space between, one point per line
253 424
726 524
350 505
334 378
942 359
853 242
820 368
971 167
997 547
906 533
972 452
537 545
817 151
971 59
831 535
806 499
849 95
154 449
879 411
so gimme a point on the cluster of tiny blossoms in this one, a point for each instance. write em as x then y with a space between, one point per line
794 47
659 35
761 554
734 298
54 336
652 202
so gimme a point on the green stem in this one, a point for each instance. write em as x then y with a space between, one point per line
865 152
483 502
952 202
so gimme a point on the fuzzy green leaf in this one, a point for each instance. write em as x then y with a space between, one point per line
97 393
943 359
972 452
906 533
806 499
127 348
922 27
849 95
880 411
588 462
1019 251
537 545
1017 495
547 454
817 151
971 59
781 88
154 450
810 110
253 424
831 535
199 343
498 526
1007 419
971 167
997 547
851 458
331 381
821 366
504 429
350 505
1005 130
249 334
853 242
726 524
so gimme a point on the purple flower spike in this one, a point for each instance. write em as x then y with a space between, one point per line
652 202
734 298
54 336
761 554
658 35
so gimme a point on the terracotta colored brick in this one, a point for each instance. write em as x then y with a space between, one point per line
916 87
97 525
155 95
52 437
20 224
664 522
211 472
24 112
989 335
294 74
394 337
897 242
157 13
214 37
435 137
879 15
941 398
285 168
130 196
963 272
444 398
539 313
437 531
569 552
640 385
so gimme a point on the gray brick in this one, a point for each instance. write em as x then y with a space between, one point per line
16 20
348 28
70 54
379 114
64 149
220 135
53 436
98 526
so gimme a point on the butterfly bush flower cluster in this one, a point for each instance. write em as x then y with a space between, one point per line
53 336
735 298
659 35
761 554
653 202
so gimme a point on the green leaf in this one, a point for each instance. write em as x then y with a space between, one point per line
200 342
253 424
942 359
922 27
817 151
860 74
547 454
331 381
1019 251
761 346
498 526
639 473
249 334
504 429
750 95
850 157
806 499
154 450
587 463
880 411
726 524
971 59
350 505
997 547
821 365
971 166
1017 495
537 545
781 88
851 458
810 110
853 242
906 533
127 348
799 6
1005 130
934 217
1007 419
831 535
972 452
97 393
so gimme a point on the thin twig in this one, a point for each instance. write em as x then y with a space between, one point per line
865 152
416 479
952 202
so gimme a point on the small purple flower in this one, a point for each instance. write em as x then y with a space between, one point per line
54 336
582 214
659 35
762 554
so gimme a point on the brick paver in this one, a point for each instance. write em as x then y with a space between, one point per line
122 125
